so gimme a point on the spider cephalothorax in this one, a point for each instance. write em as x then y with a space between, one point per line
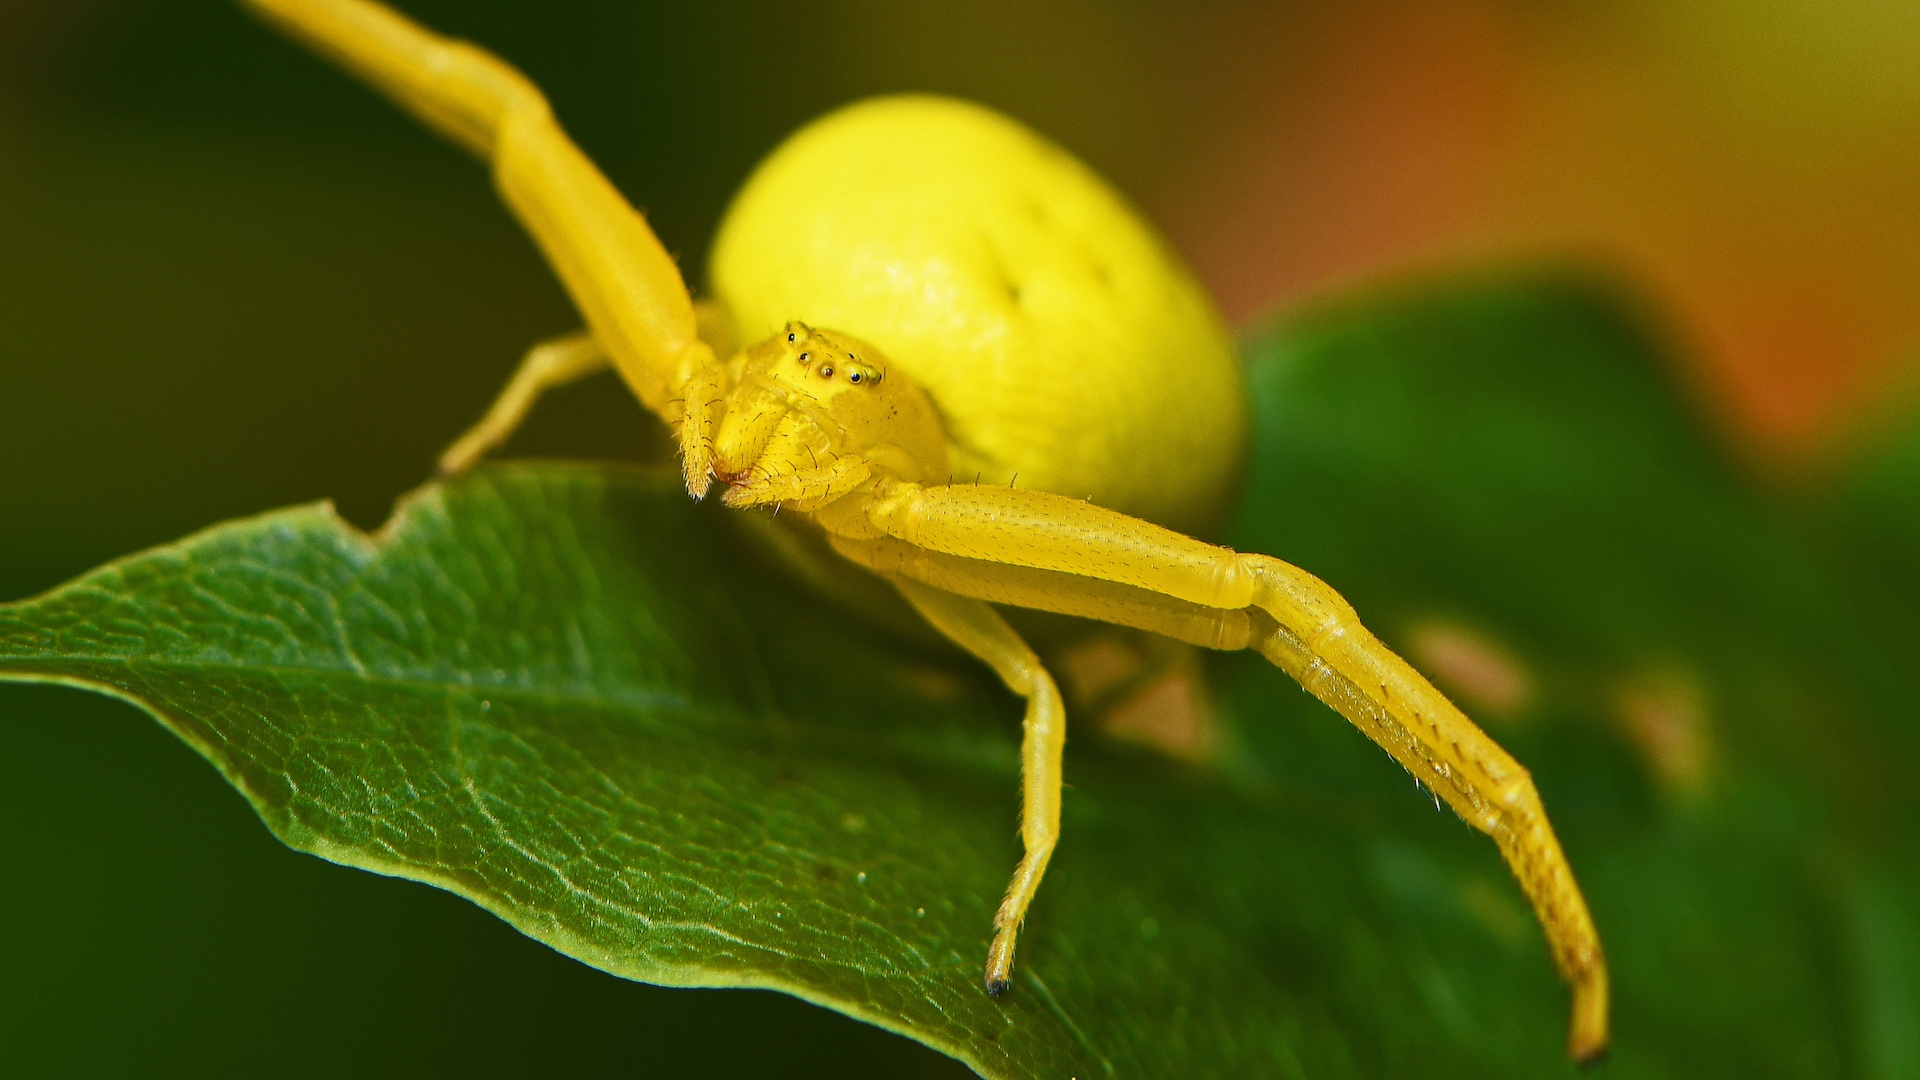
804 418
1036 332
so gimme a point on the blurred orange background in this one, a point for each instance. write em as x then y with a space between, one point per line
1753 166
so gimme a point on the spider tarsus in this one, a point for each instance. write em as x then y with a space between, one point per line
997 988
1593 1060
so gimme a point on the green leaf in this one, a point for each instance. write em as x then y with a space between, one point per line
1510 458
568 694
1869 524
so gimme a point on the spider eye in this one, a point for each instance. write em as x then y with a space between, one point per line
789 337
854 377
803 357
826 371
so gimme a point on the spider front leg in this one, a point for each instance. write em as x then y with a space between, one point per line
1053 552
623 281
980 630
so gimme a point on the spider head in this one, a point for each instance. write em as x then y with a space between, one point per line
806 397
819 366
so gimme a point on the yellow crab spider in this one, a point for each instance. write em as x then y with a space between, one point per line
1017 323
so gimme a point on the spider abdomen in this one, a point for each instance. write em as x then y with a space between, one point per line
1065 345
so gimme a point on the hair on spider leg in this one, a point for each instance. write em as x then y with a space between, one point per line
1430 793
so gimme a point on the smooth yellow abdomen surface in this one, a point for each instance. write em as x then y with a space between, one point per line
1066 346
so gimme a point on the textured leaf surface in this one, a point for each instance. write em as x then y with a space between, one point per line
563 691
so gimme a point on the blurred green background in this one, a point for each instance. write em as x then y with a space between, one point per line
234 280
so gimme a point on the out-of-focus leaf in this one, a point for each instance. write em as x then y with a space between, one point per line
1725 745
1868 520
564 692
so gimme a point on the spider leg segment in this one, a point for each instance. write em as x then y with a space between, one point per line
552 363
632 295
703 398
1228 629
980 630
1048 551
